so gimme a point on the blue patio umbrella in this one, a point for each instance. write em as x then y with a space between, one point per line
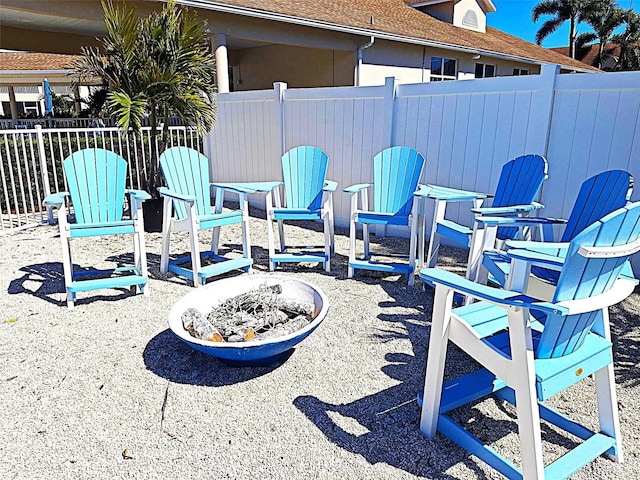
48 100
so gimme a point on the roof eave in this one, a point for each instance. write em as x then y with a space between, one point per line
279 17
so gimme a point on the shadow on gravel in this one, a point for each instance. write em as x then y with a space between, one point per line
384 426
46 282
168 357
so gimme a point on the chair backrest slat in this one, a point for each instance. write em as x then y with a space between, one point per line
396 173
583 277
519 184
598 196
96 179
304 170
186 171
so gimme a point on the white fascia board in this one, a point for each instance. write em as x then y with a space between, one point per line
278 17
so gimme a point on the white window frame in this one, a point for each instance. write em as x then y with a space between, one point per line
520 71
439 77
484 70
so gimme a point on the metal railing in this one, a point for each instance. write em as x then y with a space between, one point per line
71 122
31 164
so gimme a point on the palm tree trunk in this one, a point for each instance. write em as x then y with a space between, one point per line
572 38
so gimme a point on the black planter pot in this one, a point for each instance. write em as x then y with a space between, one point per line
152 214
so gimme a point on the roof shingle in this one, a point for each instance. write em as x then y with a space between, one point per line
395 17
22 61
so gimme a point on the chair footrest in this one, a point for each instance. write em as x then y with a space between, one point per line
455 232
222 265
390 267
111 282
298 257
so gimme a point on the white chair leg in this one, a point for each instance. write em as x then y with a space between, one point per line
67 268
438 341
246 239
215 234
606 393
327 243
352 234
434 239
331 225
364 199
608 409
278 204
270 233
524 386
195 247
166 235
412 247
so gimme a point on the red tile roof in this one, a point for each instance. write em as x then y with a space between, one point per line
590 57
23 61
396 18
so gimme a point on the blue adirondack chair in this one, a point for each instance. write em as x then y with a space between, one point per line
396 173
530 349
188 190
96 180
518 186
599 195
308 196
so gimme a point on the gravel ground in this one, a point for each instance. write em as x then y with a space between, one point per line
105 390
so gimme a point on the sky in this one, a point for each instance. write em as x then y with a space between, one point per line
514 17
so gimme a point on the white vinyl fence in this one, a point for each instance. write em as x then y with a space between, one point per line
582 123
31 164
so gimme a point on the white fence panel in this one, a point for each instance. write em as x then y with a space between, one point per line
246 142
595 127
347 123
467 130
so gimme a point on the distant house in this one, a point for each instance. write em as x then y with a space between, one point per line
311 43
21 78
589 55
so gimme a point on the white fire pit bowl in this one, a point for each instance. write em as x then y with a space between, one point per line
251 353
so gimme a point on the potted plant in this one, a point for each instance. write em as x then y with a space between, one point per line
154 67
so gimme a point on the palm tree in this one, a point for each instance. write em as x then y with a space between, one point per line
158 66
561 10
604 16
629 42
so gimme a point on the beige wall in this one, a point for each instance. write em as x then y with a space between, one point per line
42 41
412 63
258 68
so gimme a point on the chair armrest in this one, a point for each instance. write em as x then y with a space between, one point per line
559 249
516 221
509 210
139 195
439 192
606 252
55 199
330 186
165 192
492 295
537 259
356 188
234 187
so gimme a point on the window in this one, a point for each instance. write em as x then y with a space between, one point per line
485 71
520 71
443 69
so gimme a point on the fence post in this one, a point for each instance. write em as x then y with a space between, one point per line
44 170
543 108
543 111
390 84
279 88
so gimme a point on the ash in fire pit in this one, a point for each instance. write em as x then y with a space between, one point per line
259 314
